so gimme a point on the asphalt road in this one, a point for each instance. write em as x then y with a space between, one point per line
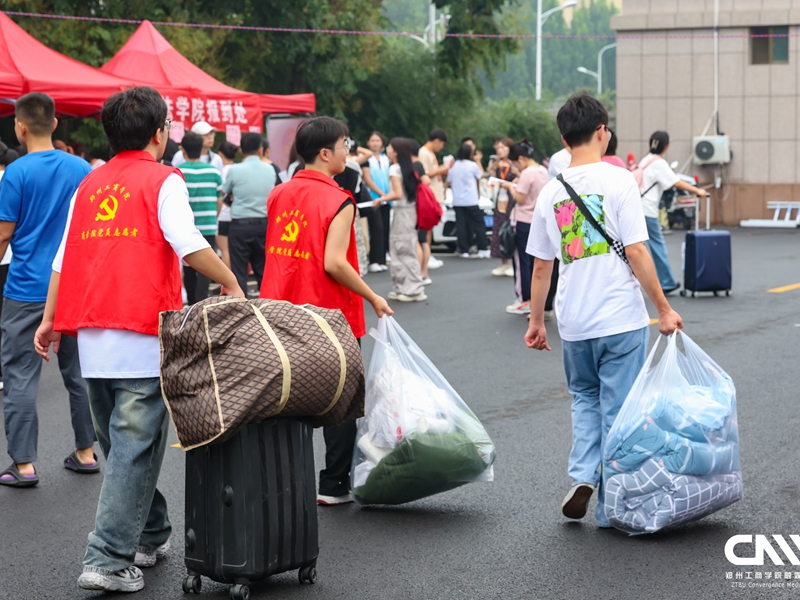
505 539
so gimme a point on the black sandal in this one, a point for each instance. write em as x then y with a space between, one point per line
73 464
17 478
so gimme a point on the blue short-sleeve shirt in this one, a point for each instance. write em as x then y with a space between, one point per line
35 192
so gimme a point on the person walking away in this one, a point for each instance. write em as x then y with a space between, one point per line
504 169
407 285
208 156
424 236
7 156
227 152
437 138
34 202
311 259
463 178
204 183
558 162
376 178
533 177
110 280
611 152
250 182
658 177
602 318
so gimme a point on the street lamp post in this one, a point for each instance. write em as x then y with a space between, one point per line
599 73
540 19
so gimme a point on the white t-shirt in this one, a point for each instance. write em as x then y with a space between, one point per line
597 294
463 177
211 158
559 162
225 211
657 172
121 354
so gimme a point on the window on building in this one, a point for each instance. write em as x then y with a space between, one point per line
769 45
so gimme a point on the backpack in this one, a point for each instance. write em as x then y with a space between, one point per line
429 211
638 174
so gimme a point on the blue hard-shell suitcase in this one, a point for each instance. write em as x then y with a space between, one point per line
707 266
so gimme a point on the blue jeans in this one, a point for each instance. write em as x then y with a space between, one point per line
659 251
131 422
600 373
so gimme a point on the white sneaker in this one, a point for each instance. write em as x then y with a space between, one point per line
427 281
509 270
576 500
484 254
388 259
435 263
549 315
374 268
126 580
464 255
323 500
519 308
149 559
499 271
384 267
404 298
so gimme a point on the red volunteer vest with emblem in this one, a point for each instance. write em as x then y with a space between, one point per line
299 213
118 270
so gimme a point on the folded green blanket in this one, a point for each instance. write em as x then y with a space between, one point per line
422 465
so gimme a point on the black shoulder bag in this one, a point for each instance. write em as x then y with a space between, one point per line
618 248
507 234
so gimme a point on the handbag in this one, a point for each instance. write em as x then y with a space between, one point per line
618 248
507 234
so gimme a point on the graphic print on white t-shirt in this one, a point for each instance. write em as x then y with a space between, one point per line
579 238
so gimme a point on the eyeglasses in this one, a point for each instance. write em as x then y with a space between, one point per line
348 144
167 123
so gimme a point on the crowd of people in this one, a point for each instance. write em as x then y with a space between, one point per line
91 264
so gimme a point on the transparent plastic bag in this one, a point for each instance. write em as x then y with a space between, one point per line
672 455
418 437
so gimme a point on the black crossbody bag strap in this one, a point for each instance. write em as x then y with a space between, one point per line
618 248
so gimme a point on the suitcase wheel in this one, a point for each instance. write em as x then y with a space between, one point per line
239 592
192 583
308 575
682 293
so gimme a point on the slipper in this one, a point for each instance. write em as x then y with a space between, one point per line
73 464
13 478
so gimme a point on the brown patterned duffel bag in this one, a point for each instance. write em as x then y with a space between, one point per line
227 362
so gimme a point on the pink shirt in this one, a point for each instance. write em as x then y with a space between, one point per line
616 161
530 183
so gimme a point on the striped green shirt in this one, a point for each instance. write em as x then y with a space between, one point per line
205 186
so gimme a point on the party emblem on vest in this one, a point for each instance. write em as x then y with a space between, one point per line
292 229
107 209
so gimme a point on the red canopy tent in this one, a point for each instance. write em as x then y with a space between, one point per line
192 94
27 65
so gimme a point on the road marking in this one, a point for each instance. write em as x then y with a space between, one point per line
786 288
653 321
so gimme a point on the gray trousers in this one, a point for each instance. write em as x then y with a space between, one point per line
22 368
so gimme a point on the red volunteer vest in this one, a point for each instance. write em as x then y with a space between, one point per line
299 213
118 270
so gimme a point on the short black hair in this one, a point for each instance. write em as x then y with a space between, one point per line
132 117
521 148
192 144
415 145
612 143
264 144
579 118
659 142
7 155
251 142
464 140
354 145
228 150
318 133
437 134
464 152
37 111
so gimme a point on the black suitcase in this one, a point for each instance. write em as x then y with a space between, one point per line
251 508
707 263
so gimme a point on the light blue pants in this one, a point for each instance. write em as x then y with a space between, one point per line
131 422
658 248
600 373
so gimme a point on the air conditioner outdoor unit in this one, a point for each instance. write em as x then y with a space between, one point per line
711 150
